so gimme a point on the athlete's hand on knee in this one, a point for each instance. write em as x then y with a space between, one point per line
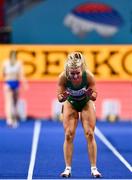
91 94
63 96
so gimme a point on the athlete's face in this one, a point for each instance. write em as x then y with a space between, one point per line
75 74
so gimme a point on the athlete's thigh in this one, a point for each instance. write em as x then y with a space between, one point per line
8 93
15 95
88 116
70 117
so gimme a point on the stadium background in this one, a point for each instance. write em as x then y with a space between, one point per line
43 32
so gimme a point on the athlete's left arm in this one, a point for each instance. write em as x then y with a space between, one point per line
91 91
62 93
2 70
22 76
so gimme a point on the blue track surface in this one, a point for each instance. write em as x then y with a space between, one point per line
16 145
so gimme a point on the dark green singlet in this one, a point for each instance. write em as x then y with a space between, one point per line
78 101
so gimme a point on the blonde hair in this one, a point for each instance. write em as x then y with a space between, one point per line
74 60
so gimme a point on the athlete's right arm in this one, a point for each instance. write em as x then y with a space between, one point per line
62 94
22 76
3 74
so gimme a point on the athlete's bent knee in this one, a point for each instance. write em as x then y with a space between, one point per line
69 136
89 134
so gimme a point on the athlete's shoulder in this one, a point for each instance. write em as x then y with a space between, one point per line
19 63
62 77
89 74
90 77
61 74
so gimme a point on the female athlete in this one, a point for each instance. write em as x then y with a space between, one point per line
77 89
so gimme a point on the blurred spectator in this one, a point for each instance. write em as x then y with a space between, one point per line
12 74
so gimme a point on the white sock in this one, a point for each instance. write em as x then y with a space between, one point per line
93 168
68 167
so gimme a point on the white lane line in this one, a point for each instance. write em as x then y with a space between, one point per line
36 133
112 148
